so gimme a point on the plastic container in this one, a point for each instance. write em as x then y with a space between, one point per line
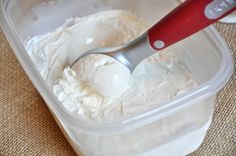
177 127
230 18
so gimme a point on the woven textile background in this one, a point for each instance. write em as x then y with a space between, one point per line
27 127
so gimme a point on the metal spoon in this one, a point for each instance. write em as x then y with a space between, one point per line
188 18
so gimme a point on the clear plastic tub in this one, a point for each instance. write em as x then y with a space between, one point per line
230 18
177 127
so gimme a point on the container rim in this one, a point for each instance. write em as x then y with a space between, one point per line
126 123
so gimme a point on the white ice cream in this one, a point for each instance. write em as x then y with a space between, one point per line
105 74
99 87
54 51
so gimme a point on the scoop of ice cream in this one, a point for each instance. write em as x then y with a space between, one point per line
105 74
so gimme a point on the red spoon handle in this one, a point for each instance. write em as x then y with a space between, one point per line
188 18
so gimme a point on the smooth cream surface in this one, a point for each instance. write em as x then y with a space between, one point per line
99 87
105 74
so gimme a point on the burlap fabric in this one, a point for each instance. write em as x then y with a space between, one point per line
27 127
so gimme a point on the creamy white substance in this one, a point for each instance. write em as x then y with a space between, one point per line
103 73
54 51
99 87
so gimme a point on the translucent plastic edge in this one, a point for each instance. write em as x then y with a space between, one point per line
229 19
126 123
